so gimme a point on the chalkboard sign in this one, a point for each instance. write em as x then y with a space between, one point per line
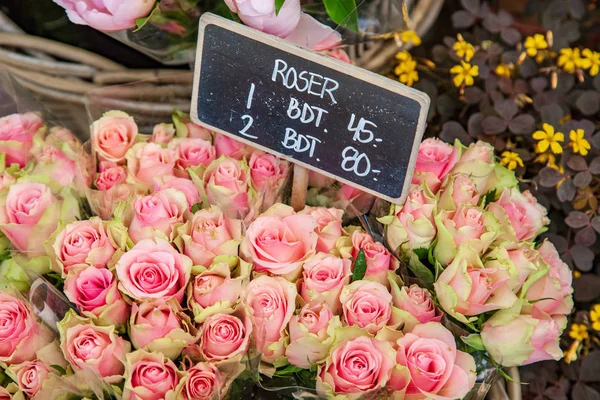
340 120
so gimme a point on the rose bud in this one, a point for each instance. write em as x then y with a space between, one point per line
329 226
148 161
478 162
417 302
110 177
434 161
203 381
29 376
54 164
185 186
323 276
227 183
225 336
457 190
379 260
192 153
16 137
226 146
113 135
155 215
162 133
262 15
367 305
150 376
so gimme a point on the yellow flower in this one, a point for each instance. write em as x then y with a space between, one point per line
578 332
504 70
578 142
591 61
569 59
549 139
535 43
406 70
595 317
571 354
463 49
410 36
510 160
464 73
576 274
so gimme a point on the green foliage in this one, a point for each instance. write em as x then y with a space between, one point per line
343 12
140 22
278 5
360 266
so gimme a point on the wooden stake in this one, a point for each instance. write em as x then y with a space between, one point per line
299 187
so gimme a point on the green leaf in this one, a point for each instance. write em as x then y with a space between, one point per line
343 12
473 341
489 197
422 253
278 5
196 207
60 369
288 370
430 256
140 22
360 266
421 271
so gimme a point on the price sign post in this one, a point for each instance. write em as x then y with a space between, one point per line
320 113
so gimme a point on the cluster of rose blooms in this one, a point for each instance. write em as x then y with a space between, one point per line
179 283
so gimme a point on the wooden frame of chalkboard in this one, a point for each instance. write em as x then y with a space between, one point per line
237 93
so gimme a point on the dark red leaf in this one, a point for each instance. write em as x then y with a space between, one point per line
528 68
522 124
567 190
583 179
492 23
473 95
583 257
549 177
462 19
577 219
552 114
586 237
452 130
559 242
538 84
577 163
471 6
595 165
588 103
576 8
474 125
510 36
589 367
581 391
507 109
494 125
596 223
596 138
586 288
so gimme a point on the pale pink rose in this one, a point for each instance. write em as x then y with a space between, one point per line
6 180
16 137
310 338
271 303
110 177
30 376
356 367
418 302
203 382
81 244
551 294
209 289
225 336
227 182
29 214
323 276
162 133
459 190
113 135
105 15
265 169
210 233
149 161
5 394
468 222
159 326
185 186
479 163
522 217
103 203
434 161
467 288
367 305
54 164
329 226
318 180
153 269
437 369
314 35
94 291
155 215
361 201
260 14
192 153
21 335
340 54
379 260
96 348
149 376
195 131
280 241
226 146
60 135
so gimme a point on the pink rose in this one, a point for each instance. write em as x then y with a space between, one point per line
54 164
113 135
265 169
103 203
148 161
361 201
367 305
226 146
436 368
94 292
202 382
210 233
260 14
110 177
459 190
6 180
185 186
227 183
81 244
225 336
310 334
329 226
323 276
149 376
314 35
162 133
192 153
95 348
280 241
434 161
160 327
516 340
104 15
466 287
356 367
155 215
379 260
521 216
417 302
195 131
153 269
30 376
479 163
16 137
271 303
5 394
29 214
21 336
340 54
